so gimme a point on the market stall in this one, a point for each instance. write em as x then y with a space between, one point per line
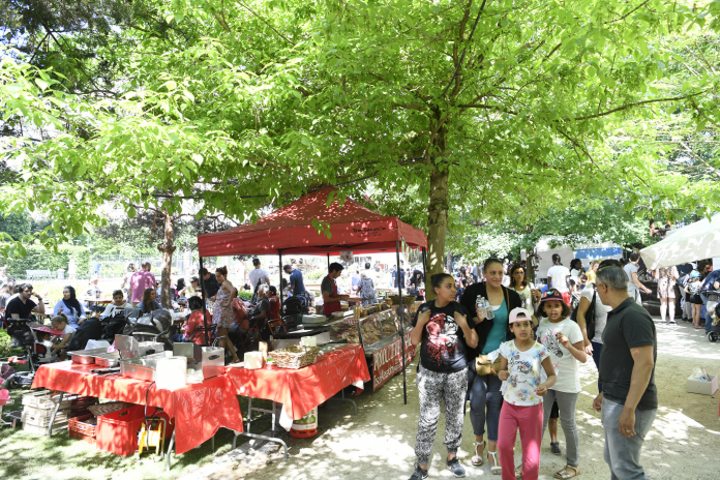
320 223
198 410
693 242
300 390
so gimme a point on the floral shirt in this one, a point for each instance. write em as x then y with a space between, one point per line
524 373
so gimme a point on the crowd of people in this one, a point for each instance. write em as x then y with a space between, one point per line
535 337
233 323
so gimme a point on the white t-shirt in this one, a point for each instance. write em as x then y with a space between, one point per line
258 274
566 366
631 268
558 277
524 370
526 296
601 313
68 329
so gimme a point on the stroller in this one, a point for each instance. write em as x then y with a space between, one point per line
25 334
156 326
713 308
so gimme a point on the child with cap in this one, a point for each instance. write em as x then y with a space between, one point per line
563 339
521 360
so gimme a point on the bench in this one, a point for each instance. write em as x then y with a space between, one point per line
35 274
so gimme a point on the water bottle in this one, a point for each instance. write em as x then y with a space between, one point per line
481 306
490 312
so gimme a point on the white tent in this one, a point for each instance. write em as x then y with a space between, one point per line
696 241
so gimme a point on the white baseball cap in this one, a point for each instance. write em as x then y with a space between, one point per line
519 314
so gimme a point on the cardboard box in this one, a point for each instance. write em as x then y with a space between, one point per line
704 388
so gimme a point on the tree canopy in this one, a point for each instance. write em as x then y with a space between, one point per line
451 113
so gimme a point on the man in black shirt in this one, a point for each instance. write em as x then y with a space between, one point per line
21 306
210 283
628 400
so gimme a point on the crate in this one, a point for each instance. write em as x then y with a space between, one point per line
83 428
38 430
40 417
45 399
117 432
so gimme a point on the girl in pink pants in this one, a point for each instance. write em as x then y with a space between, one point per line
521 361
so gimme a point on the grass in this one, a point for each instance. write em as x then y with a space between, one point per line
27 456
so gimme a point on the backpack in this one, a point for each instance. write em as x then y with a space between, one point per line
589 316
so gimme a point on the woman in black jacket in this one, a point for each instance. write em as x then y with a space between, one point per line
484 391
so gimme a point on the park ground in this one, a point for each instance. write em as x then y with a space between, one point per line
377 442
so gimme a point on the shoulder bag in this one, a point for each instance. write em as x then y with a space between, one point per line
485 366
590 316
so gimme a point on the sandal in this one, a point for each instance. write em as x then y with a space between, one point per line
495 467
567 472
477 459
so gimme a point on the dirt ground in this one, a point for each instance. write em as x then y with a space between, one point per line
378 441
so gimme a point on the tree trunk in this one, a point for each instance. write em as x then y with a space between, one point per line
167 248
437 225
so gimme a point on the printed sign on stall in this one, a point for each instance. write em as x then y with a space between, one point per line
387 360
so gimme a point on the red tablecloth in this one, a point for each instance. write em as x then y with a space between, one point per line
199 410
301 390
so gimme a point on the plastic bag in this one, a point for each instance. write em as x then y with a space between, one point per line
699 374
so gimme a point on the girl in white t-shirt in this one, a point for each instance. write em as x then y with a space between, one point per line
521 360
564 341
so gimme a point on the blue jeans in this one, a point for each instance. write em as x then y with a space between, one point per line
705 315
622 454
485 403
597 349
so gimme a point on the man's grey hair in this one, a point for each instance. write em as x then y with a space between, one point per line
613 276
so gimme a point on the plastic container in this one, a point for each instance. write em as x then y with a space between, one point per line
117 432
305 427
83 428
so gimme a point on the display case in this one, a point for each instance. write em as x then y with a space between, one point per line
379 334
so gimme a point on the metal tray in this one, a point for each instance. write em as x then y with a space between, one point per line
142 368
86 357
107 360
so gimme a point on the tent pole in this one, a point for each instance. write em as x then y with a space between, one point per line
202 292
328 256
424 259
280 293
400 314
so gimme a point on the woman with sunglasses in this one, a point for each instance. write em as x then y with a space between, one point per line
529 295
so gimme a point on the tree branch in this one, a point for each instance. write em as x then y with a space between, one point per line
630 105
457 73
629 12
484 106
242 4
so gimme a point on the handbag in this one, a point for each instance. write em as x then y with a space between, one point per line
590 317
485 366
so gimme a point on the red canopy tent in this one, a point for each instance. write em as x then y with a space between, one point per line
290 229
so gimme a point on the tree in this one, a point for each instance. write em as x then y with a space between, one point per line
487 106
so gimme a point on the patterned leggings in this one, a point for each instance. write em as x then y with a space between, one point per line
434 387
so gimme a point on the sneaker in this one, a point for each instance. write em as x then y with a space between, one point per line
555 448
455 467
419 474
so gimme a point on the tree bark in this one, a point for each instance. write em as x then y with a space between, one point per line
167 247
437 224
